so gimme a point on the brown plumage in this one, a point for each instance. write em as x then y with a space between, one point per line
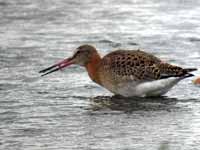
124 70
138 65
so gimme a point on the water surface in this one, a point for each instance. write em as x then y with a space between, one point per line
65 110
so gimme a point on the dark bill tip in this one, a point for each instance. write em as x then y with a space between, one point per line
46 69
56 67
50 72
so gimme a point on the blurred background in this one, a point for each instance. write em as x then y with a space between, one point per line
66 110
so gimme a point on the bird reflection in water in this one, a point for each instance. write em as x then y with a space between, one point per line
129 105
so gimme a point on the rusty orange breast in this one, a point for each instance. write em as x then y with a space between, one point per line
92 68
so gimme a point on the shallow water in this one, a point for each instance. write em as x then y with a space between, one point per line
65 110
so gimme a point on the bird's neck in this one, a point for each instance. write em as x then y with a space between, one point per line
92 68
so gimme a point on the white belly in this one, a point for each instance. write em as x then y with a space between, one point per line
150 88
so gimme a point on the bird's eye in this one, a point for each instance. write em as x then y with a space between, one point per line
78 52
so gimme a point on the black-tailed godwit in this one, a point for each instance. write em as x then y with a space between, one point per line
126 72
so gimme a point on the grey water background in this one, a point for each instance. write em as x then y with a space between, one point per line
65 110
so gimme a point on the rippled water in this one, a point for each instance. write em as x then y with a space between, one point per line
65 110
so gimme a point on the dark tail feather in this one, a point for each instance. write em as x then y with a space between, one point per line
187 74
182 76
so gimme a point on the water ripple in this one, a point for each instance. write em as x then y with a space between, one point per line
66 110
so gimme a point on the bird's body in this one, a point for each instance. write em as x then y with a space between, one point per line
131 72
135 73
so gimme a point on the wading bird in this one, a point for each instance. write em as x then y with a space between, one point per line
126 72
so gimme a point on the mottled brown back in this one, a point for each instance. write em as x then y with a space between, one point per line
137 65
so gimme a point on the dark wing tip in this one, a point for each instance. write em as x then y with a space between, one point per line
178 72
190 69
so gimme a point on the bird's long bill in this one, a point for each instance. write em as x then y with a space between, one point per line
57 66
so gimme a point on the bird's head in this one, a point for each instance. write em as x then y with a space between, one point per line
82 56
